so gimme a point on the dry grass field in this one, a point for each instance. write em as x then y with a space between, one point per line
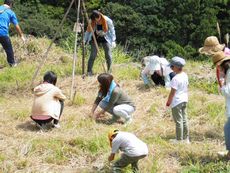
81 144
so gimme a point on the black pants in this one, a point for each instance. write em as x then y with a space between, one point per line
62 107
159 80
7 46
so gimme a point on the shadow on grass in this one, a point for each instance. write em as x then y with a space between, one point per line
209 134
199 136
31 126
108 121
142 88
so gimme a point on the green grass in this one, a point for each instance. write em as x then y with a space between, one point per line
92 145
127 73
210 87
212 167
2 157
19 114
79 100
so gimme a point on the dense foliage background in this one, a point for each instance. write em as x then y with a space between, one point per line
143 27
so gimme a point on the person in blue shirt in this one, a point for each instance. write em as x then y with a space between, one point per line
104 31
7 16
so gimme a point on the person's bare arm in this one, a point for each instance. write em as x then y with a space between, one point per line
111 157
170 97
19 31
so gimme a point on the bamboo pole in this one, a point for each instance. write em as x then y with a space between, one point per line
218 30
83 45
73 86
42 62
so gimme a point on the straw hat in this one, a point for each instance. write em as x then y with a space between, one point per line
219 58
211 46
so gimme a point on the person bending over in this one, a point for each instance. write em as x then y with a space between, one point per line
111 98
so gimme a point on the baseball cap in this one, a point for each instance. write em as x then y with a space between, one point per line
177 61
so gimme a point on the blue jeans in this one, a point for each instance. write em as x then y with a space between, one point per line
93 54
227 134
7 46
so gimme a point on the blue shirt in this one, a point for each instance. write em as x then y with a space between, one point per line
6 17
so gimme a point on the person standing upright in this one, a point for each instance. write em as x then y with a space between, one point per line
7 16
104 31
178 99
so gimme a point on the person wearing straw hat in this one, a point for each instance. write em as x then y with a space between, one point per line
223 61
104 31
132 147
212 46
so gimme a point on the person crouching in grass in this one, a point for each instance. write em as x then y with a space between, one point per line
178 99
132 147
112 99
48 99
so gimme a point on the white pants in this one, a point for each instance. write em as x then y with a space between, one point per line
123 111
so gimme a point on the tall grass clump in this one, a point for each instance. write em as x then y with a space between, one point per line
79 100
209 86
19 114
127 72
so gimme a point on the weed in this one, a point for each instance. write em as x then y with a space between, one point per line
2 158
79 100
127 73
19 114
21 164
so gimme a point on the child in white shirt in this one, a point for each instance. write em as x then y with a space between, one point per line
178 99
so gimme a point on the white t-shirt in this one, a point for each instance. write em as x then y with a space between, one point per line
180 84
129 144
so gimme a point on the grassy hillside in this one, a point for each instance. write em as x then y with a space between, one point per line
81 145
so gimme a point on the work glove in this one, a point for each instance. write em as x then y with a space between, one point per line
100 33
23 39
114 44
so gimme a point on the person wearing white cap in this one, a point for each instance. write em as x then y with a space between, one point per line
178 99
159 71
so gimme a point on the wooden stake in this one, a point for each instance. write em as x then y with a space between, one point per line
73 86
42 62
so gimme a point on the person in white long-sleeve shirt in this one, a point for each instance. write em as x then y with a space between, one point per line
158 69
222 61
133 150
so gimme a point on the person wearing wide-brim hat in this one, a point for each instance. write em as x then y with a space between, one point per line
212 46
223 61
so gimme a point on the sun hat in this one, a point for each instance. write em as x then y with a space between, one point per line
111 134
154 64
177 61
211 46
219 57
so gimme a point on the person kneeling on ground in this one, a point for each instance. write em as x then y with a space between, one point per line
133 150
112 99
178 99
48 99
159 71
